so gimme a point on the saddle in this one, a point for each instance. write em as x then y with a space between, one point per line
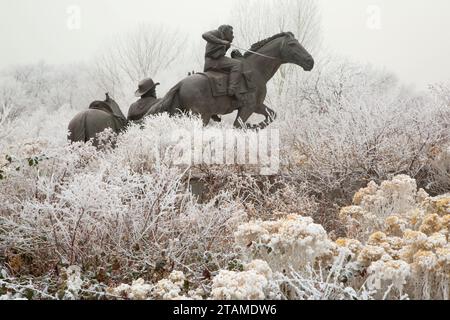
101 105
219 81
109 105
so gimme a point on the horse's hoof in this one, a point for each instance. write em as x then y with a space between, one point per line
216 118
253 127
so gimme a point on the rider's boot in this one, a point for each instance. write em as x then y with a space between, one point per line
234 93
233 89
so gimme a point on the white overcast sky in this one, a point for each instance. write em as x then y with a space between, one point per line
413 40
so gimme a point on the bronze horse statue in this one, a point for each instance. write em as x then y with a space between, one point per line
101 115
194 94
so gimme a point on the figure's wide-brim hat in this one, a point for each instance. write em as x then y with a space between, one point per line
145 86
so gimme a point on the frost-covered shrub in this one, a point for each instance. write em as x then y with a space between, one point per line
439 175
138 290
255 282
373 204
383 206
406 236
398 248
397 254
125 213
261 196
291 241
123 209
346 124
323 283
175 287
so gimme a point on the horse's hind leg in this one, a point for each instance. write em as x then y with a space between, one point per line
266 112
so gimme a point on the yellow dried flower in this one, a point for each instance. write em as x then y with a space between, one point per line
377 238
395 225
446 221
370 254
357 199
393 246
396 243
407 253
361 194
425 260
443 206
354 212
414 238
352 244
435 241
443 256
416 217
431 224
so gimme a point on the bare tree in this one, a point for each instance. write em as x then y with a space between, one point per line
147 51
5 106
8 110
256 20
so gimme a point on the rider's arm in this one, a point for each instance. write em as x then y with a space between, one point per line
211 37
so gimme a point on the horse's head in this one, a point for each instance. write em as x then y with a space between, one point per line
293 52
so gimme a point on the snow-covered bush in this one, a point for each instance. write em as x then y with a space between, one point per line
255 282
406 236
78 223
292 241
118 209
138 290
346 124
398 248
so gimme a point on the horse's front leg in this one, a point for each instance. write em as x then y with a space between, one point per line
244 114
206 118
268 113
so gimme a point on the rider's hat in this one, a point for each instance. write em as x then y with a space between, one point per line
145 86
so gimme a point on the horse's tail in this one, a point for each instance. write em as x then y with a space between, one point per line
170 103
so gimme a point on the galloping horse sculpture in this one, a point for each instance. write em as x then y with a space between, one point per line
194 93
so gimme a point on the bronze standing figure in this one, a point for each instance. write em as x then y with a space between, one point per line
147 93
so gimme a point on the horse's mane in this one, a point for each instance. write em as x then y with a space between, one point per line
258 45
